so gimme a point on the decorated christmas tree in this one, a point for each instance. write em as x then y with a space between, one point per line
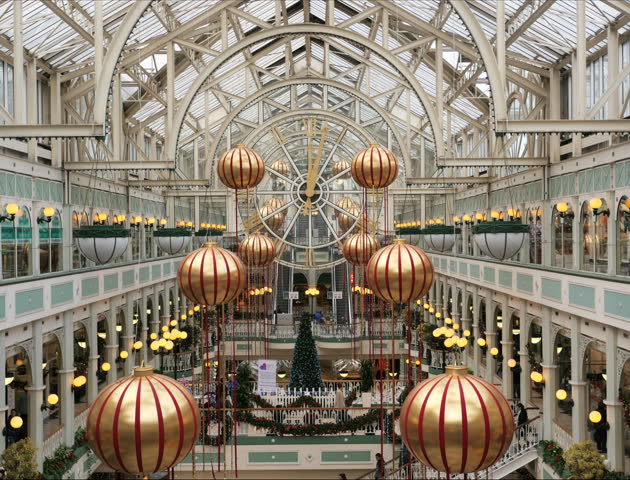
306 372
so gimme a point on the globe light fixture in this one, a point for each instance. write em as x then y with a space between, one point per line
53 399
561 394
536 377
595 416
481 342
494 351
124 354
16 422
511 363
106 367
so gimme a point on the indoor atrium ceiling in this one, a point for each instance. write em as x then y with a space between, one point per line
250 60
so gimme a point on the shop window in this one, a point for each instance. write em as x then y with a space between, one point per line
595 236
50 241
534 217
16 238
623 236
563 217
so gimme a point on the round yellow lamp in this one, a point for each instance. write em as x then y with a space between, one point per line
448 321
137 345
494 351
196 308
438 315
431 310
436 332
595 203
165 328
466 333
173 323
562 207
595 416
49 212
494 214
449 333
448 343
561 394
183 316
154 345
124 354
169 345
153 336
53 399
481 342
511 363
462 342
425 306
183 335
536 377
456 326
167 335
16 422
106 367
161 342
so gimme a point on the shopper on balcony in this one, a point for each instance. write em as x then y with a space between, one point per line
379 471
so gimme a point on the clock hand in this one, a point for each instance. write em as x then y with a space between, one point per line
313 172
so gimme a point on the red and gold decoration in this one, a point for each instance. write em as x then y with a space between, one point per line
257 250
456 423
240 168
347 221
211 275
400 273
280 167
374 167
341 167
359 248
274 222
143 423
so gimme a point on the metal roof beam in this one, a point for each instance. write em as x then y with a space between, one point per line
103 165
448 180
564 126
52 131
444 162
166 182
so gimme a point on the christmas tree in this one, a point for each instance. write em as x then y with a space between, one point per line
306 372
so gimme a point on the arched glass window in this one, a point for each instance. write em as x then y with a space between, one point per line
78 220
50 240
563 235
595 237
16 244
623 236
534 218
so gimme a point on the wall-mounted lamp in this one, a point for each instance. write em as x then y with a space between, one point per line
162 223
149 223
49 213
12 210
596 204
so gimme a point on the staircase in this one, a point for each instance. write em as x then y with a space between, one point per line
521 452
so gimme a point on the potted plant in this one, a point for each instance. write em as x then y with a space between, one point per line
440 237
172 240
366 371
584 461
102 243
499 239
19 460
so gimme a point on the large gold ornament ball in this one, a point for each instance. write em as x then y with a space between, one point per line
400 273
374 167
241 167
143 423
274 222
342 168
211 275
280 167
359 248
456 423
257 250
346 222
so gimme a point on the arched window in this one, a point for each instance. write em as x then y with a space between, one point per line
595 237
563 235
534 218
78 220
50 240
623 236
16 236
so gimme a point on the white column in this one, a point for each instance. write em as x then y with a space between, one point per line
111 349
554 100
66 375
507 347
3 391
92 367
491 337
578 385
550 374
127 337
18 64
475 326
35 392
522 352
31 85
614 408
614 100
578 75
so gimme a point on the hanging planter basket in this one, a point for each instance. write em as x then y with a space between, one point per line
500 240
102 243
440 237
209 232
172 240
411 235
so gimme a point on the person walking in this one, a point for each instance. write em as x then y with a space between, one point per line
379 472
340 404
12 434
521 414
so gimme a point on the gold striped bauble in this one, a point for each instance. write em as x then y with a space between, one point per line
143 423
400 273
211 275
340 167
275 203
374 167
241 167
274 222
456 423
280 167
257 250
347 221
358 248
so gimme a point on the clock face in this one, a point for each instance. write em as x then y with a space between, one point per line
308 201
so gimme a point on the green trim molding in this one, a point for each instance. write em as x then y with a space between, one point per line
61 293
345 456
272 457
110 282
2 307
551 289
29 301
524 283
617 303
89 287
582 296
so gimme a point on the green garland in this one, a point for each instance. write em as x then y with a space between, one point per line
172 232
279 428
551 454
440 230
101 231
410 231
500 227
302 401
208 232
